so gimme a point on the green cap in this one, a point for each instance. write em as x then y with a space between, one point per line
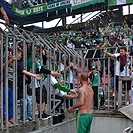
93 67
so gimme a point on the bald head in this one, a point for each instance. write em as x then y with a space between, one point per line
84 77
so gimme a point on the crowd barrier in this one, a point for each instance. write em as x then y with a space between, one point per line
59 58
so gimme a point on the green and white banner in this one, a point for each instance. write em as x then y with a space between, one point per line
82 3
60 4
119 2
30 11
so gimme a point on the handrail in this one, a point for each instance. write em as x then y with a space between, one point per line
126 130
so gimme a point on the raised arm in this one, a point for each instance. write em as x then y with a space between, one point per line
2 11
110 54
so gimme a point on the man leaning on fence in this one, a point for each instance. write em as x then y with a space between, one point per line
121 70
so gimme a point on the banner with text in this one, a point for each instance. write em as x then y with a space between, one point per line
30 11
119 2
59 5
82 3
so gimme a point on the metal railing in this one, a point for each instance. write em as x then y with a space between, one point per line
12 37
59 57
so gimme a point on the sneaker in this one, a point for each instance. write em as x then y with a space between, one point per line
30 119
49 116
95 108
44 116
11 121
21 120
102 107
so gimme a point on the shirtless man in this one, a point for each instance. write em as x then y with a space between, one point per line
84 105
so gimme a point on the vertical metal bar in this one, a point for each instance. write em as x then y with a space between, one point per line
87 64
108 83
98 88
33 81
119 89
25 66
68 76
41 62
16 82
6 80
14 85
83 64
48 86
78 60
1 78
24 84
114 86
74 62
50 83
104 76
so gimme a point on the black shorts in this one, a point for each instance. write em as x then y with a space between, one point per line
127 84
44 95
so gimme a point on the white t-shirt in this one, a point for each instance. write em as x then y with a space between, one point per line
70 44
125 72
53 81
62 67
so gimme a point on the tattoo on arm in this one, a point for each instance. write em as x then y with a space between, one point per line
80 92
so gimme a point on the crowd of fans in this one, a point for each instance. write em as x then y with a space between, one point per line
30 3
91 45
88 44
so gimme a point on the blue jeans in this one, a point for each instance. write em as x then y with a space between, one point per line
10 103
112 82
28 105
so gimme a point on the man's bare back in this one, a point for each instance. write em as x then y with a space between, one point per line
85 98
85 94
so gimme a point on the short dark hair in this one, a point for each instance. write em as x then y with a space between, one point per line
124 48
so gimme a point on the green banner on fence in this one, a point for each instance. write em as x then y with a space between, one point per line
30 11
119 2
82 3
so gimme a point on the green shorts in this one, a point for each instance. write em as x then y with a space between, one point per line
84 123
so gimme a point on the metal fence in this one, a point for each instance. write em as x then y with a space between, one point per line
57 58
15 108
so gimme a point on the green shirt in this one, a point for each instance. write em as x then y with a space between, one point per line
95 79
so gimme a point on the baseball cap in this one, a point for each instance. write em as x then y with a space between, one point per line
93 67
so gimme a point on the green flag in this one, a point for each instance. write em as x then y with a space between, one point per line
119 2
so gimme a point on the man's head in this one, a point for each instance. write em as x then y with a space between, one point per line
19 55
64 57
123 50
84 77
